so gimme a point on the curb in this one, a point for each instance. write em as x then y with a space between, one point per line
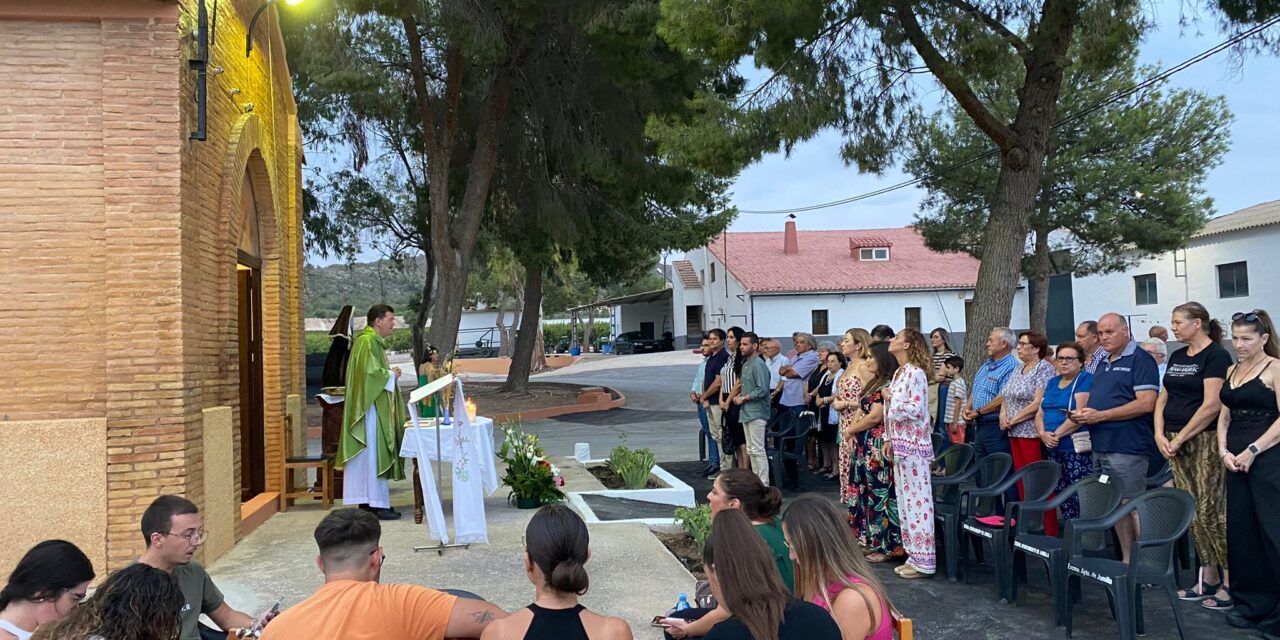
615 400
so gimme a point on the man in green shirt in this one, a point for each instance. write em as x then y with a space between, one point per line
174 531
754 400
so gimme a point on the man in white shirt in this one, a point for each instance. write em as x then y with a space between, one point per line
773 358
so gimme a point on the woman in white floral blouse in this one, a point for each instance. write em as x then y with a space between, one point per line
1022 394
911 448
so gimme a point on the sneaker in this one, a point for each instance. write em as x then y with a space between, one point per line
712 475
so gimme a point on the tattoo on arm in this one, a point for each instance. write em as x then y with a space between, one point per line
482 617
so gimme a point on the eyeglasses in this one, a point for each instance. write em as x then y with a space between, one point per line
1245 316
1068 358
1023 344
197 536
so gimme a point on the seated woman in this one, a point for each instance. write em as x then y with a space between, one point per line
746 583
138 602
831 572
48 582
556 552
741 490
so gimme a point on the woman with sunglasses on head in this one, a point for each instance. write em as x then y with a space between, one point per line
556 549
1248 432
831 572
138 602
1186 421
48 582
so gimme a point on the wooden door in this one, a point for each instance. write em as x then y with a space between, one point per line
253 471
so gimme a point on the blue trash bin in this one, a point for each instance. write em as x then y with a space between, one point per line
575 351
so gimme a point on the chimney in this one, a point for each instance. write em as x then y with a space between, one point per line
790 245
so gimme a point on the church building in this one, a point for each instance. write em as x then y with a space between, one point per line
150 269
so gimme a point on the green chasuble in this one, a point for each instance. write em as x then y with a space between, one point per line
367 375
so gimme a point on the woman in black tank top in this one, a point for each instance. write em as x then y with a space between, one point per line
1248 432
556 552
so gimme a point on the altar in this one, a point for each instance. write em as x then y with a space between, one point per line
427 431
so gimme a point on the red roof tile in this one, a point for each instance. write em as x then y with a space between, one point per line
859 241
825 264
688 277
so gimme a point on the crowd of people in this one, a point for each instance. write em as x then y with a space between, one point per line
879 406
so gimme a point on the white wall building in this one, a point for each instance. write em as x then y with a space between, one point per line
1229 266
824 282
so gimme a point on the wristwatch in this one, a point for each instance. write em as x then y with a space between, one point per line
1253 448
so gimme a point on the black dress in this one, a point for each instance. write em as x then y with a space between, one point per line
1253 521
826 430
556 624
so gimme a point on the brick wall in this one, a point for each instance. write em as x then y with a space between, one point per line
115 220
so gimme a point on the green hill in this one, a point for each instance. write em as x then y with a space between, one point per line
362 285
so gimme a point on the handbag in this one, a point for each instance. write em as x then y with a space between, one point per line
1080 440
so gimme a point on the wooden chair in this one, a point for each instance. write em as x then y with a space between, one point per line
901 625
323 464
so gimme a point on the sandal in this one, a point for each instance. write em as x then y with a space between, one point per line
1202 591
1214 603
910 572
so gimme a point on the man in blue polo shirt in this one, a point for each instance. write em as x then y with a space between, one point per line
1121 402
985 402
711 392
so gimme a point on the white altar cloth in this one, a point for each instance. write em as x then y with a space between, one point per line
474 472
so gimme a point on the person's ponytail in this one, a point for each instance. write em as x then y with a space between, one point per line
556 540
1215 331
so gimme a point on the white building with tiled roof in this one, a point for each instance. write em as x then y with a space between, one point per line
823 282
1229 266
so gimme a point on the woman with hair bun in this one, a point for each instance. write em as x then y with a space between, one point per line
48 582
555 557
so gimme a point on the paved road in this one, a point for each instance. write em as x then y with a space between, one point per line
658 414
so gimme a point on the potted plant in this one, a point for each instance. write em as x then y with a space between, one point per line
533 480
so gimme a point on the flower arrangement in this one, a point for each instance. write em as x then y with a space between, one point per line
533 480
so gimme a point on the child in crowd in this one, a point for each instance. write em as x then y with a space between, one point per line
957 391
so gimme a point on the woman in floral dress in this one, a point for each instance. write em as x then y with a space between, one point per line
911 448
856 346
872 497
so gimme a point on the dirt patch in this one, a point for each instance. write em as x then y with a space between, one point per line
611 480
542 395
682 546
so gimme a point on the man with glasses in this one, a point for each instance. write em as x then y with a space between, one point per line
354 604
174 531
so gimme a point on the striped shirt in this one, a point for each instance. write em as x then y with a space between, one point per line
990 379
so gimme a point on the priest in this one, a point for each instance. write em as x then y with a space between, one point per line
372 421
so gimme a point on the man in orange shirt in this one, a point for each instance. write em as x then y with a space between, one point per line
352 604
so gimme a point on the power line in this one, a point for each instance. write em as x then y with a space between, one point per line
1112 99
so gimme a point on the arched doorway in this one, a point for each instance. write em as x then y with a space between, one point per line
253 467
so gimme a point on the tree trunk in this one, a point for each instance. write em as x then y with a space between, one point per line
1021 168
420 321
454 223
504 338
1041 270
527 337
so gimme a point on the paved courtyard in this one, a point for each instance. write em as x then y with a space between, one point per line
632 573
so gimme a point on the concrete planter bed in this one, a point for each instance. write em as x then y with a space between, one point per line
670 492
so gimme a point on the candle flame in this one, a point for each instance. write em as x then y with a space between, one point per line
471 409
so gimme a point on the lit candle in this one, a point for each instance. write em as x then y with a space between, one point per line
471 409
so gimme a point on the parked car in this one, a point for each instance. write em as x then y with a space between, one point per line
562 346
635 342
